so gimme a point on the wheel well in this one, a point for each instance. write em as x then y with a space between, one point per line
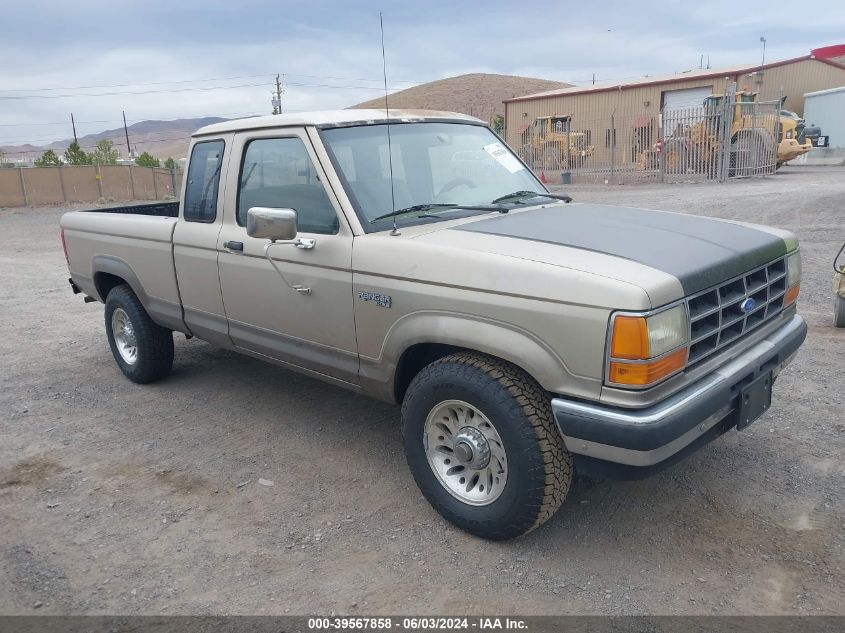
413 360
105 282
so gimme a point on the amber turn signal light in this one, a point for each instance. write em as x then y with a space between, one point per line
791 294
640 374
630 338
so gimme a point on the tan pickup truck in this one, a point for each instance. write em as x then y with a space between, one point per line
416 259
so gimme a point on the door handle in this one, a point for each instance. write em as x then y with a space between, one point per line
234 246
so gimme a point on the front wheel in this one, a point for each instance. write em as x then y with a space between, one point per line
483 447
142 348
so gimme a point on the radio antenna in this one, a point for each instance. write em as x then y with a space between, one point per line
395 231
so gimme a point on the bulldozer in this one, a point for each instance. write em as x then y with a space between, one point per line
550 141
753 137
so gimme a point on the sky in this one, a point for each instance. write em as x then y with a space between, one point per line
185 58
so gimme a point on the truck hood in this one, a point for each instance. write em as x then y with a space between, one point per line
699 252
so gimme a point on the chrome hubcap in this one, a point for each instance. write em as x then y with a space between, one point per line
465 452
124 336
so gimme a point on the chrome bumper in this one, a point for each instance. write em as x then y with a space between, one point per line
646 437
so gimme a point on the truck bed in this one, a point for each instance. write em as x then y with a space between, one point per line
131 243
158 209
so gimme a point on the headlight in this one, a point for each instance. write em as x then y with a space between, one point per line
793 278
789 134
647 349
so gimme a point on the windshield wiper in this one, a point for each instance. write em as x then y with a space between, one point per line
518 196
422 208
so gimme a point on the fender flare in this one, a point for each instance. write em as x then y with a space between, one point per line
119 268
503 340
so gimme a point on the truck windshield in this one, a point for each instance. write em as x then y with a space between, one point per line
433 164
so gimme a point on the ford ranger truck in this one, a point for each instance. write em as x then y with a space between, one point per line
413 257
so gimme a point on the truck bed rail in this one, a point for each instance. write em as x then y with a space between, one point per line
159 209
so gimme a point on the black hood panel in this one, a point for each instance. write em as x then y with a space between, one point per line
699 252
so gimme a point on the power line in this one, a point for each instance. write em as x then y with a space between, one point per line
153 83
117 133
184 81
174 90
128 92
160 140
148 118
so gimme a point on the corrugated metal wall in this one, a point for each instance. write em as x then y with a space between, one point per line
828 112
794 81
594 109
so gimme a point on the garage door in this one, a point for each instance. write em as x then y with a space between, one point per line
686 98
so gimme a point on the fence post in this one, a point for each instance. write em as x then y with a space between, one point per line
99 178
660 164
173 181
612 148
62 182
131 182
725 115
23 187
155 185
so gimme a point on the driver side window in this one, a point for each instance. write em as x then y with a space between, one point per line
277 172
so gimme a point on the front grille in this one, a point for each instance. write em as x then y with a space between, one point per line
716 318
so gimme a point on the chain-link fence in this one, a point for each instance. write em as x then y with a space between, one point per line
728 136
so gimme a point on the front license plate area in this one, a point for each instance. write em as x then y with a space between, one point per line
754 400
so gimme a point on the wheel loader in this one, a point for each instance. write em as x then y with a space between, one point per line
753 134
549 141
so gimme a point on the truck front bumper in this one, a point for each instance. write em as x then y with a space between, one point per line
633 443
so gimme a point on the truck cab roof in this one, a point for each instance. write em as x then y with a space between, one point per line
333 118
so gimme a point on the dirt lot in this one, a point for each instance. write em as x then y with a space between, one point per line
117 498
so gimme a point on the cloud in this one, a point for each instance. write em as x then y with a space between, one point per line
330 55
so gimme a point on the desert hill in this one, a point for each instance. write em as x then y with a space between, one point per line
477 94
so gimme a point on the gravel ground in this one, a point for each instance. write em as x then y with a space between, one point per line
117 498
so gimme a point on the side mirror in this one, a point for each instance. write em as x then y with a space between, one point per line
270 223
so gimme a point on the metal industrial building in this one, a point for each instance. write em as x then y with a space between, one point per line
615 132
822 69
826 108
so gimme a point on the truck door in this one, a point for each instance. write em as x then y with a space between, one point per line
311 326
195 238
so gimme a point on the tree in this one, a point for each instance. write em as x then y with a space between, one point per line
105 154
499 123
74 155
147 160
170 164
48 159
4 159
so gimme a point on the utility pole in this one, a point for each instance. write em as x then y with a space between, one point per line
73 125
277 99
126 132
594 79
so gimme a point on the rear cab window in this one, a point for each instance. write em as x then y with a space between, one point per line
203 181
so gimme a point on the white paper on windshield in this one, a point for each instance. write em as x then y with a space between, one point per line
504 157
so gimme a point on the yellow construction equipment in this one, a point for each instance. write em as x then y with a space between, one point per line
755 138
550 141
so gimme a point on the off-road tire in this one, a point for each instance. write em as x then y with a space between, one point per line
155 343
839 312
539 466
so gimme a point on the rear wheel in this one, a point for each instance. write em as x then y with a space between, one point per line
142 349
839 312
483 447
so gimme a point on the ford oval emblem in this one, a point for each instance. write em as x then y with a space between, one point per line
748 305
